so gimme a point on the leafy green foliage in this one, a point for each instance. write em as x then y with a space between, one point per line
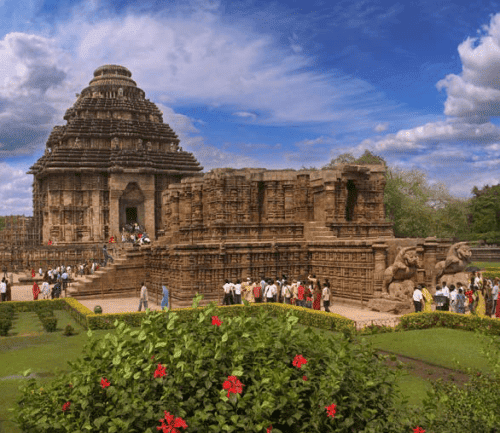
198 357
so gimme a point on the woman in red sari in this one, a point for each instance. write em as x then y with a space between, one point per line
317 296
32 273
36 291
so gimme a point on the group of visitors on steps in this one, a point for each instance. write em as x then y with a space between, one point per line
301 292
480 296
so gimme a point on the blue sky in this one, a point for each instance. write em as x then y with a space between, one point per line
280 84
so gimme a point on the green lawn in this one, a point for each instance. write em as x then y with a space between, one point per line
450 348
486 264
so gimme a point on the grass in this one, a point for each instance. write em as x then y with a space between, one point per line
450 348
26 323
483 265
414 388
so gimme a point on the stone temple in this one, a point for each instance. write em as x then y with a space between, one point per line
108 165
115 162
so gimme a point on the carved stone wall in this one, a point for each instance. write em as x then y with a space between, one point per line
114 136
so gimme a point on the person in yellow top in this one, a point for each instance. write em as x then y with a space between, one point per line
481 304
428 300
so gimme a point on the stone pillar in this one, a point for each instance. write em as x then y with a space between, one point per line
429 263
114 213
380 264
96 225
149 212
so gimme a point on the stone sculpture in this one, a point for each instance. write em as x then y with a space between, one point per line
404 267
458 257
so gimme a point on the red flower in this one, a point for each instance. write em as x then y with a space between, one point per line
418 429
269 429
66 406
160 371
153 357
71 385
216 321
299 360
304 377
331 410
233 385
172 423
104 382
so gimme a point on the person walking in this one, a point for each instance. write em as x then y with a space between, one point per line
270 291
64 277
446 293
300 294
45 290
287 293
427 300
106 255
494 296
317 294
237 292
460 301
3 290
257 293
144 297
418 299
453 298
36 291
326 297
164 301
227 293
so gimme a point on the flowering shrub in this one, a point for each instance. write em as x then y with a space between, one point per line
225 373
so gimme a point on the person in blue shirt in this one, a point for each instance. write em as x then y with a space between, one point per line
164 301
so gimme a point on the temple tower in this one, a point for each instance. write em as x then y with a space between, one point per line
108 166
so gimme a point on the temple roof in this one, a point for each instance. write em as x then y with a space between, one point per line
112 126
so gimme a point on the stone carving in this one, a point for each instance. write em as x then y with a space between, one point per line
115 143
78 143
458 257
404 267
139 144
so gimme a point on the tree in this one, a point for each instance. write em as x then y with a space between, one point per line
348 158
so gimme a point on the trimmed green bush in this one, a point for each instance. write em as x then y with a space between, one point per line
98 309
223 373
5 326
49 323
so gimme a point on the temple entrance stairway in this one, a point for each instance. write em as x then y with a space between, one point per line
121 278
316 231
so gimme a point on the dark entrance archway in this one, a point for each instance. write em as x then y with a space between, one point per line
352 198
130 215
132 205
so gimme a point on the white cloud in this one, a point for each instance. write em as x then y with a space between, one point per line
381 127
15 193
246 114
476 91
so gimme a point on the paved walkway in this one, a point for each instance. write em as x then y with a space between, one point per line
120 305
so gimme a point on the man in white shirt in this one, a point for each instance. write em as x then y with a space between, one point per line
144 297
227 293
494 296
45 290
3 290
446 292
326 297
418 298
270 292
439 299
237 292
453 298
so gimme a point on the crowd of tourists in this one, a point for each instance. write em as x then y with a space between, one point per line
304 292
479 297
135 234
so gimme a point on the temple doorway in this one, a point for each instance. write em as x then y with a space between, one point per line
130 215
352 198
132 206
